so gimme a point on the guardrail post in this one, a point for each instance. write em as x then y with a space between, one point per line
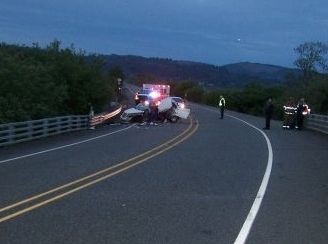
11 133
30 129
91 115
45 130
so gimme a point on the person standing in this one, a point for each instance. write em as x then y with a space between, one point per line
302 111
289 114
222 105
153 113
268 113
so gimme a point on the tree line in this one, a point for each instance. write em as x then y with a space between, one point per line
40 82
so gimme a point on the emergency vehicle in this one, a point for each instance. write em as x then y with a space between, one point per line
152 93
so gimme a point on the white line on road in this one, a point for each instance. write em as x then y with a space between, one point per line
65 146
244 232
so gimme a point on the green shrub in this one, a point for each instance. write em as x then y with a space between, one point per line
37 83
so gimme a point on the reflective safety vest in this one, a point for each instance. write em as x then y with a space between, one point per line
222 102
290 110
307 110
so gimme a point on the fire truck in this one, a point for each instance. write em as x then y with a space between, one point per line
152 92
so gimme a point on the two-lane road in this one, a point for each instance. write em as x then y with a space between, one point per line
195 182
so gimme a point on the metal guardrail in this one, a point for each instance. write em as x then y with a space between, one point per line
101 118
24 131
317 122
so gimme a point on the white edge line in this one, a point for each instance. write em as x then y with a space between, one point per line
64 146
244 232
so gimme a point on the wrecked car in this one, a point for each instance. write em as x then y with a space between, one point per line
139 113
167 109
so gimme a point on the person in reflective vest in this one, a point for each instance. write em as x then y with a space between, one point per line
302 111
222 105
289 114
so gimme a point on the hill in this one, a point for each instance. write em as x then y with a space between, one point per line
232 75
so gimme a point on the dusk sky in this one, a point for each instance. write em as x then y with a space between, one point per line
211 31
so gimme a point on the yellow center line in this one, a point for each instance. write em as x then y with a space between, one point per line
92 175
141 158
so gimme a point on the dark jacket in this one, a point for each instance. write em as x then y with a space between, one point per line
268 109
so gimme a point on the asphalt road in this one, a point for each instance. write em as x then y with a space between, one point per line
199 189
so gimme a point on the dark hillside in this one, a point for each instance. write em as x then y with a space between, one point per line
232 75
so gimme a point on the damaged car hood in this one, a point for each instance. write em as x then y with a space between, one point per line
133 111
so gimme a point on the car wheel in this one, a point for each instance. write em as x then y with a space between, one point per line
174 119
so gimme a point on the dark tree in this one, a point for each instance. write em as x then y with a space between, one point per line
312 58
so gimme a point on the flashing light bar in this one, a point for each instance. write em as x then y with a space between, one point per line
154 94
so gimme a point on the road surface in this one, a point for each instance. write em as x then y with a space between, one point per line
190 182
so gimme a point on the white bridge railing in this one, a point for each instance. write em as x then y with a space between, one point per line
317 122
29 130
